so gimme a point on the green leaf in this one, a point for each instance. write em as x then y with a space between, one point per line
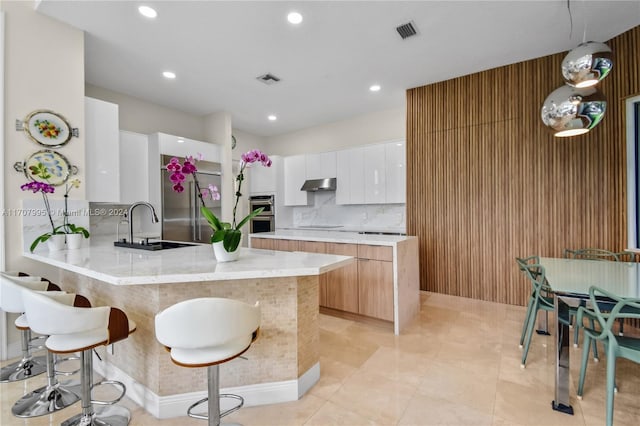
232 240
211 218
218 236
249 217
41 239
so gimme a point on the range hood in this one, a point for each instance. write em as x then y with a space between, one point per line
312 185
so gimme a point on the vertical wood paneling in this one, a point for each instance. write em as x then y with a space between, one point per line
487 182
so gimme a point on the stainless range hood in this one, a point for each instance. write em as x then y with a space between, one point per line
312 185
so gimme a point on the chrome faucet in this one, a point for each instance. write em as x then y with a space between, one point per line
154 217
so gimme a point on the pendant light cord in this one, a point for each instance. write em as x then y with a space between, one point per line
570 19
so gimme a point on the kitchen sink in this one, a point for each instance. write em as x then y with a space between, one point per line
153 245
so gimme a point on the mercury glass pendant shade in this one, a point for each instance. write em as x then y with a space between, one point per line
569 111
587 64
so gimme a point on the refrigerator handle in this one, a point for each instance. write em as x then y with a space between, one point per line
198 217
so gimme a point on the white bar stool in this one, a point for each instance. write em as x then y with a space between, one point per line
206 332
11 302
72 329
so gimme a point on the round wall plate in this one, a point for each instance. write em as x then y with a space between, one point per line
47 128
49 167
233 142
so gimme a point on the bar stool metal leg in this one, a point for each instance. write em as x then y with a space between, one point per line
28 366
47 399
112 415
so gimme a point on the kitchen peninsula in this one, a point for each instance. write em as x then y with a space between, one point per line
383 283
282 364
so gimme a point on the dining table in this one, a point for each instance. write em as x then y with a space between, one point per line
570 280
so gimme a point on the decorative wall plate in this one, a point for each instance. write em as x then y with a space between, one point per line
53 165
47 128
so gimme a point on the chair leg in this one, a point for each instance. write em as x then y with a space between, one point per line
611 378
595 346
586 346
530 327
621 323
576 328
213 389
527 316
47 399
28 366
111 415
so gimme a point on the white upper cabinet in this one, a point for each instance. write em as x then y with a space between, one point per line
350 176
262 180
134 167
396 169
294 176
374 174
321 165
102 151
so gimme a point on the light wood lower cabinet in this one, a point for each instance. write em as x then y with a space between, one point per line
342 283
287 245
375 288
317 247
263 243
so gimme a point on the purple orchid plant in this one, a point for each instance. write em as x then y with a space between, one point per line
227 233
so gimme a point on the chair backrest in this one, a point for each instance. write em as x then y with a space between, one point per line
11 288
48 316
595 254
536 274
623 308
206 322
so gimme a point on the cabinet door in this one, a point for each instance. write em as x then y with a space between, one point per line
263 243
375 288
321 165
262 180
350 176
374 175
395 157
294 177
134 173
286 245
102 149
317 247
342 283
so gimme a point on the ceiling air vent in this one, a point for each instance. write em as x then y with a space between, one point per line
406 30
268 79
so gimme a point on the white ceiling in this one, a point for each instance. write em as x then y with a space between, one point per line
327 63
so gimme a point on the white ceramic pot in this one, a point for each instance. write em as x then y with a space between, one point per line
222 255
74 241
56 242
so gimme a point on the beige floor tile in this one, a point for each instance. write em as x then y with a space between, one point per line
374 397
285 414
331 414
427 410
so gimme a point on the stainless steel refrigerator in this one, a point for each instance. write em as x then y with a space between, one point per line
181 217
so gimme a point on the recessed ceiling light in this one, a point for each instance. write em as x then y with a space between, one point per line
272 118
147 11
168 74
180 140
294 18
375 88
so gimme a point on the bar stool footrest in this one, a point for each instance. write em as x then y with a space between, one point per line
222 413
109 382
66 373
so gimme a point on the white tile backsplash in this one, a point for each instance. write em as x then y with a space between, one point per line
324 211
35 221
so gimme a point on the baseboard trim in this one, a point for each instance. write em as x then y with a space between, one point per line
164 407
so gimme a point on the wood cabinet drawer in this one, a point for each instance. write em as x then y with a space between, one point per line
263 243
375 252
342 249
312 246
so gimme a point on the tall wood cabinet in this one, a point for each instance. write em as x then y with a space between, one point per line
375 281
342 283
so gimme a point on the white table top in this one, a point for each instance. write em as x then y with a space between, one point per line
575 276
124 266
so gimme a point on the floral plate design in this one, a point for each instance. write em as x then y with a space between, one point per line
48 128
57 167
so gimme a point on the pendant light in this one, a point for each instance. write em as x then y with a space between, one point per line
571 111
587 64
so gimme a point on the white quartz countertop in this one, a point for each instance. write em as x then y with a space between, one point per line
125 266
333 236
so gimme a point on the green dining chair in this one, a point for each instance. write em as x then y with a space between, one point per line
604 255
541 299
616 346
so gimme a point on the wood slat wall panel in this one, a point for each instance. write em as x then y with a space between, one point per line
487 182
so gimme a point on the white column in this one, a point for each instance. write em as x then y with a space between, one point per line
218 130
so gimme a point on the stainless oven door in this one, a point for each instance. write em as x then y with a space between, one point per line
263 224
264 201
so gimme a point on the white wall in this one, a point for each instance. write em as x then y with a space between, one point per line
365 129
31 82
137 115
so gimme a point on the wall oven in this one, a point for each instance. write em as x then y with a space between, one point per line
265 221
